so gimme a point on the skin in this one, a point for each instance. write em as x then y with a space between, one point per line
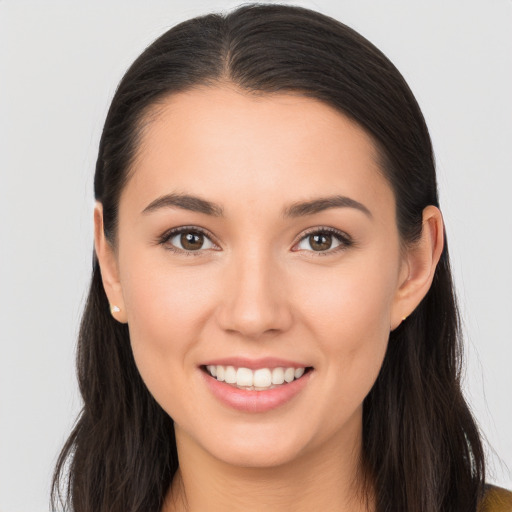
258 288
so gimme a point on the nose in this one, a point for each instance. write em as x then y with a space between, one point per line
254 301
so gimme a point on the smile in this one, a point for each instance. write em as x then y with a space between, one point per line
260 379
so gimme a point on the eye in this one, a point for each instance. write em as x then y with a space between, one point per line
324 241
188 240
192 241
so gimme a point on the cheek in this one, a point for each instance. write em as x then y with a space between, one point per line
166 308
349 314
349 306
163 302
165 305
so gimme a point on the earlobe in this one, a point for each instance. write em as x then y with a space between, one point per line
421 260
109 267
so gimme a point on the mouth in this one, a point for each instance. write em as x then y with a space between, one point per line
258 379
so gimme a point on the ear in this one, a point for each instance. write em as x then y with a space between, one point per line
419 265
109 267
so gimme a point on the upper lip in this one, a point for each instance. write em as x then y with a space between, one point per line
254 364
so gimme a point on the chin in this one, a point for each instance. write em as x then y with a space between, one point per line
261 446
256 456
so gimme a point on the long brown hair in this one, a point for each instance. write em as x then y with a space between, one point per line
421 448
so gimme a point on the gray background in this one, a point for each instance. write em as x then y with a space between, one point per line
59 65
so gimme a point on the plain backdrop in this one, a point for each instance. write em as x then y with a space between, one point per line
60 63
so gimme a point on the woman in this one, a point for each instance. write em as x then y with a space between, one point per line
271 323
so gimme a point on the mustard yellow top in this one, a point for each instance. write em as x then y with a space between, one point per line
496 500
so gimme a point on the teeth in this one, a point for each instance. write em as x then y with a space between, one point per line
299 372
244 377
289 374
260 379
277 376
230 375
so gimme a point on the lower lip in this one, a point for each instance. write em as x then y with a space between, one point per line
255 401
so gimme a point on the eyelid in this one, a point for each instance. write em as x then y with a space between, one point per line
344 239
171 233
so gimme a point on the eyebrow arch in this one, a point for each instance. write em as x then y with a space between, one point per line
186 202
298 209
302 209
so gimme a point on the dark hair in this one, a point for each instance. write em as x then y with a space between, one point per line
421 448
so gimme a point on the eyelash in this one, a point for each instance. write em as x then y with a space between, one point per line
343 238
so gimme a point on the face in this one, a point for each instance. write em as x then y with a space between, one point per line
258 233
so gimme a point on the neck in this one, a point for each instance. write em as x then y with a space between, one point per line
328 478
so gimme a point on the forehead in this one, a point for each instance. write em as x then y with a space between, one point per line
252 149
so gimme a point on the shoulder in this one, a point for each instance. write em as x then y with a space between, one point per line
496 499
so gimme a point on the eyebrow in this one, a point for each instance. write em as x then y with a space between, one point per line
301 209
298 209
185 202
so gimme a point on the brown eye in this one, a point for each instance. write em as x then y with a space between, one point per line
191 241
320 242
188 240
324 241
